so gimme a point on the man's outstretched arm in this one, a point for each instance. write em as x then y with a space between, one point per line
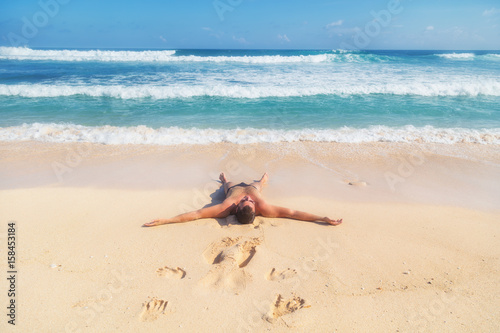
217 211
276 211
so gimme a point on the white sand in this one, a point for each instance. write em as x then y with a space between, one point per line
422 256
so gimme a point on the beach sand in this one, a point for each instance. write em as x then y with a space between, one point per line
418 250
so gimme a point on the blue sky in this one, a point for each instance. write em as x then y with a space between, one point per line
252 24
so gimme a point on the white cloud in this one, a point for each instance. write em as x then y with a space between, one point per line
456 33
347 31
206 28
163 39
241 40
491 12
429 28
284 37
334 24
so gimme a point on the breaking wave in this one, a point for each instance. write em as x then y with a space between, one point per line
24 53
479 88
469 56
175 135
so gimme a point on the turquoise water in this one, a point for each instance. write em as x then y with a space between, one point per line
203 96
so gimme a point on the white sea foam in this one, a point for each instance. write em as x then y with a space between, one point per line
486 87
278 59
457 56
470 56
24 53
176 135
491 56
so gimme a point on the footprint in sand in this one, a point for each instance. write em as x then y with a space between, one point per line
357 183
152 309
228 258
171 273
281 307
275 275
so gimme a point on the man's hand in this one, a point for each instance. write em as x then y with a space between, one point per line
332 222
155 223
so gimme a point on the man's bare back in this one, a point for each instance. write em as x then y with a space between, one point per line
240 199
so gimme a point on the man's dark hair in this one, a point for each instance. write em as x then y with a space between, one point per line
246 215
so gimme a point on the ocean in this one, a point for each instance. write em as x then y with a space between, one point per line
168 97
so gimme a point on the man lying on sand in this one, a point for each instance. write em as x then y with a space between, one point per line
245 201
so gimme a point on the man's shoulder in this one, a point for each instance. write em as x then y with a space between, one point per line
262 206
230 201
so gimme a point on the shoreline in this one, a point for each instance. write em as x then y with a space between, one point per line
150 134
460 174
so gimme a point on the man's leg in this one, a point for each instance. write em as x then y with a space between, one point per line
225 183
260 184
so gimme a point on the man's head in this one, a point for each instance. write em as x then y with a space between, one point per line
245 211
